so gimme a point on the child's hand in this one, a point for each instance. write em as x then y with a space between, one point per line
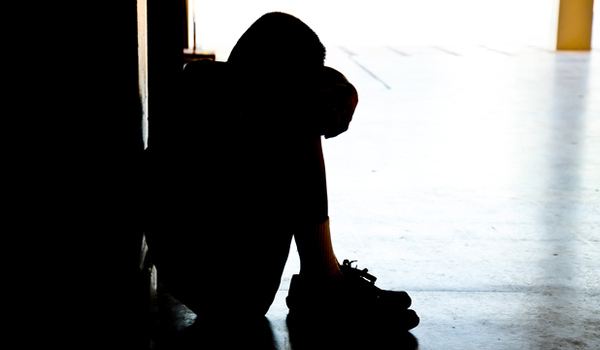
337 103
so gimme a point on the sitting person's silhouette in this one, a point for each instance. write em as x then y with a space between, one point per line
239 171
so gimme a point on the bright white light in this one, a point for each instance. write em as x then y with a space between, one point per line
386 22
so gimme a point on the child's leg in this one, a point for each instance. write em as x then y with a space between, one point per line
317 259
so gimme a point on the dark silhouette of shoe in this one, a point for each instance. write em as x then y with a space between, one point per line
352 296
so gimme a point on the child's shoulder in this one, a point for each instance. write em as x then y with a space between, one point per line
204 67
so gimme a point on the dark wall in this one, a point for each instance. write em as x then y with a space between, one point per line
77 153
98 169
165 60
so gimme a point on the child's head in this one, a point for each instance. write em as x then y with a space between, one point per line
279 40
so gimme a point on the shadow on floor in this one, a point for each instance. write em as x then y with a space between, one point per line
348 335
255 334
178 328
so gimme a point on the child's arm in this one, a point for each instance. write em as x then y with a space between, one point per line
338 100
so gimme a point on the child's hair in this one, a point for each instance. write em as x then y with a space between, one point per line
280 40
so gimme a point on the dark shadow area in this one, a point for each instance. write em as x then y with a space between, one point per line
255 334
348 334
177 327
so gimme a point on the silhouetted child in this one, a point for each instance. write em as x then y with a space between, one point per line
239 171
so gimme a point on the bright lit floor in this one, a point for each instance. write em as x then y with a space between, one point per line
470 177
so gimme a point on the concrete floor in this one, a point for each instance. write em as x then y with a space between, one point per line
470 177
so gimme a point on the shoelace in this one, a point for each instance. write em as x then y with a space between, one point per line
354 271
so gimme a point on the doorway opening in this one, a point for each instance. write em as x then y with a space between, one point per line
217 25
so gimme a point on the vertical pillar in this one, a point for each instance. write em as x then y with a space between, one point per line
142 15
190 6
574 30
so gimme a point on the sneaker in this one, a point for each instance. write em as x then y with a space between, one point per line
352 295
